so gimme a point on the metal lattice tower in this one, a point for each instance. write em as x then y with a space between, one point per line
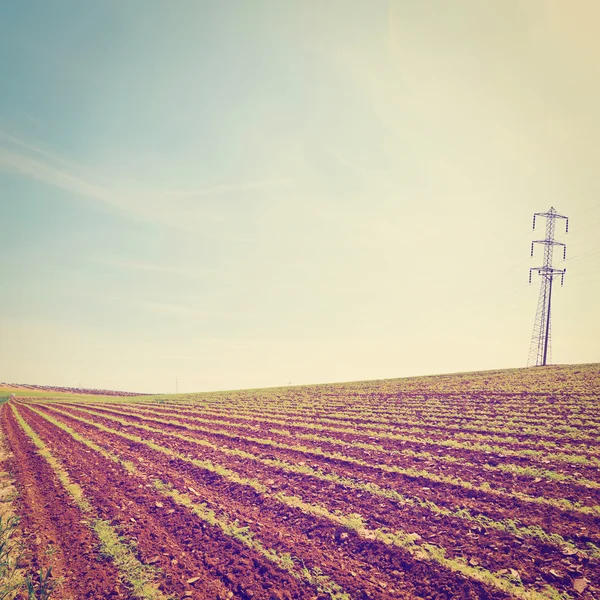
539 351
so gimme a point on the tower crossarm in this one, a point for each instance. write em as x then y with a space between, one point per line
548 272
552 214
550 243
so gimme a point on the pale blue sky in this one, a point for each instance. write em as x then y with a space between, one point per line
246 193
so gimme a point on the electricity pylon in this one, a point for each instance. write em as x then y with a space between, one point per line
539 351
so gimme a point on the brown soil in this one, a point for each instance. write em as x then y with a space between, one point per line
52 527
365 569
551 410
533 559
394 452
499 507
172 539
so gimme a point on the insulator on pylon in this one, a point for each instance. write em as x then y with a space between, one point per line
534 221
564 253
567 226
529 275
531 248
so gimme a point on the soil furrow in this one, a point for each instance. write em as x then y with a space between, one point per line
52 525
364 425
167 536
499 473
500 552
392 436
369 460
359 565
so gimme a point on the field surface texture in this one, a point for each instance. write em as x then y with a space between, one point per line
475 485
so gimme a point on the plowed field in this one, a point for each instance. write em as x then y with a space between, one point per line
478 485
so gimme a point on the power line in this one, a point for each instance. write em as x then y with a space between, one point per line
584 282
590 225
539 349
588 272
592 241
583 256
586 210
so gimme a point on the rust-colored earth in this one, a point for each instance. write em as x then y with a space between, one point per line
480 485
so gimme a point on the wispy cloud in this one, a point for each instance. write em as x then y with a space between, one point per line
55 159
34 162
29 117
177 310
154 268
189 272
181 357
30 167
166 309
264 184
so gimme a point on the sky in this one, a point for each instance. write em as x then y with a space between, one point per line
218 195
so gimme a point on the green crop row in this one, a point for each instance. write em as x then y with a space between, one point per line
458 405
326 423
229 527
355 522
556 431
534 472
488 448
559 503
138 576
549 422
507 525
357 430
553 424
